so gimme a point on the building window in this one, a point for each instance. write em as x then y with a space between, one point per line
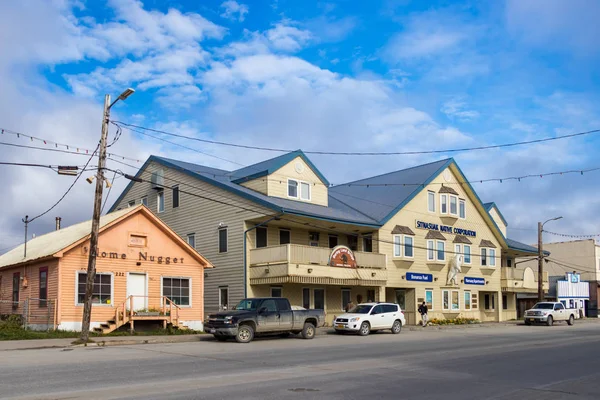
408 246
397 245
131 203
276 291
467 300
431 201
489 302
292 188
457 250
444 203
261 237
160 201
483 256
441 250
223 240
43 294
370 295
453 205
313 239
15 289
305 191
144 201
102 292
306 298
284 236
430 251
509 262
319 299
368 243
450 300
429 299
353 242
346 298
191 239
462 209
177 290
175 196
223 298
467 250
333 241
492 257
504 302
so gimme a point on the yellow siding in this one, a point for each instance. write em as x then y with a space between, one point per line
278 186
258 185
498 220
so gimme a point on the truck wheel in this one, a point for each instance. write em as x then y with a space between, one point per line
221 338
397 327
245 334
365 329
571 320
309 331
549 321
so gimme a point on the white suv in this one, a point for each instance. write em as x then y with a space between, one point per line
549 312
370 317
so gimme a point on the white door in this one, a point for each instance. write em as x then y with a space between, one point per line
136 286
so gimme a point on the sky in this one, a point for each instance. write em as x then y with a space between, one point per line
388 75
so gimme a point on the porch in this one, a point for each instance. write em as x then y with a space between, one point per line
525 280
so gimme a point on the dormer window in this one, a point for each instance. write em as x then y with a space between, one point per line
298 189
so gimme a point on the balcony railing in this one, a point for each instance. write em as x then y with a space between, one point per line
522 280
298 254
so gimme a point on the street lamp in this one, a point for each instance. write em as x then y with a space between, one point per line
541 258
91 269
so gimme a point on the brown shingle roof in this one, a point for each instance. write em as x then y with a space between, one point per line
405 230
487 243
435 235
461 239
447 189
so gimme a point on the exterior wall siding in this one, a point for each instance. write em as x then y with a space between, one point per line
202 217
496 217
278 185
258 185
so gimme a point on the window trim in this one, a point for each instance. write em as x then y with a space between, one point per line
431 250
450 291
492 257
337 239
342 297
112 289
465 254
219 296
189 278
309 191
464 203
437 250
297 188
309 298
175 189
470 300
142 200
364 239
191 235
450 198
256 237
324 297
299 184
458 250
158 197
287 230
483 256
276 287
442 203
432 301
490 260
226 240
412 246
131 203
43 303
431 201
397 245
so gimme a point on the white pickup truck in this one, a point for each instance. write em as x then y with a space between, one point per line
548 313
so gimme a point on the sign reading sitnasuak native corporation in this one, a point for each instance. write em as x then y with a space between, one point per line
342 256
445 229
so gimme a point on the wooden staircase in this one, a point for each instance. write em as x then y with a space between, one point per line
169 315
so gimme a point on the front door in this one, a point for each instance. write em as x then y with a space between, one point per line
401 298
268 316
136 286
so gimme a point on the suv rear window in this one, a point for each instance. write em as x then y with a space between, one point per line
390 308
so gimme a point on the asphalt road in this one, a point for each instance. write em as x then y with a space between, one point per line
518 362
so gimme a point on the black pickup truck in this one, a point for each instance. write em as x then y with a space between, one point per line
270 315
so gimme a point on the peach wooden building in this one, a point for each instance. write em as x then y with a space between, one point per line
144 272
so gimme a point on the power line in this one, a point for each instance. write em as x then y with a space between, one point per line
361 153
61 147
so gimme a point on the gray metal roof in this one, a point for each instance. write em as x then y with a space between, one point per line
514 245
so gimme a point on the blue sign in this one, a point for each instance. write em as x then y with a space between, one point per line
445 229
474 281
411 276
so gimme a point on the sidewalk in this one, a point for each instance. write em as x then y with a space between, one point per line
9 345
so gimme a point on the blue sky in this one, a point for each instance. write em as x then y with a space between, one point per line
353 75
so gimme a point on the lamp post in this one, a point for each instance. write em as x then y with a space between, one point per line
91 270
541 258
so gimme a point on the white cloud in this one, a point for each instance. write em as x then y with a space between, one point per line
287 38
458 109
234 10
330 30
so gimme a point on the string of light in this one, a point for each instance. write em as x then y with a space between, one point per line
513 144
58 146
591 236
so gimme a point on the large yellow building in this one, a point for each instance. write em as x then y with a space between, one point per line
278 228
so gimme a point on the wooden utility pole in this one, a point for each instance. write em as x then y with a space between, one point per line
540 264
91 270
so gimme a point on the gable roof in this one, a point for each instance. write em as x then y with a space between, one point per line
514 245
268 167
489 206
54 243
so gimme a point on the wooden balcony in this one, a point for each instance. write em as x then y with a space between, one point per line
292 263
522 280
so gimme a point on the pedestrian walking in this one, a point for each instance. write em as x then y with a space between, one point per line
423 311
